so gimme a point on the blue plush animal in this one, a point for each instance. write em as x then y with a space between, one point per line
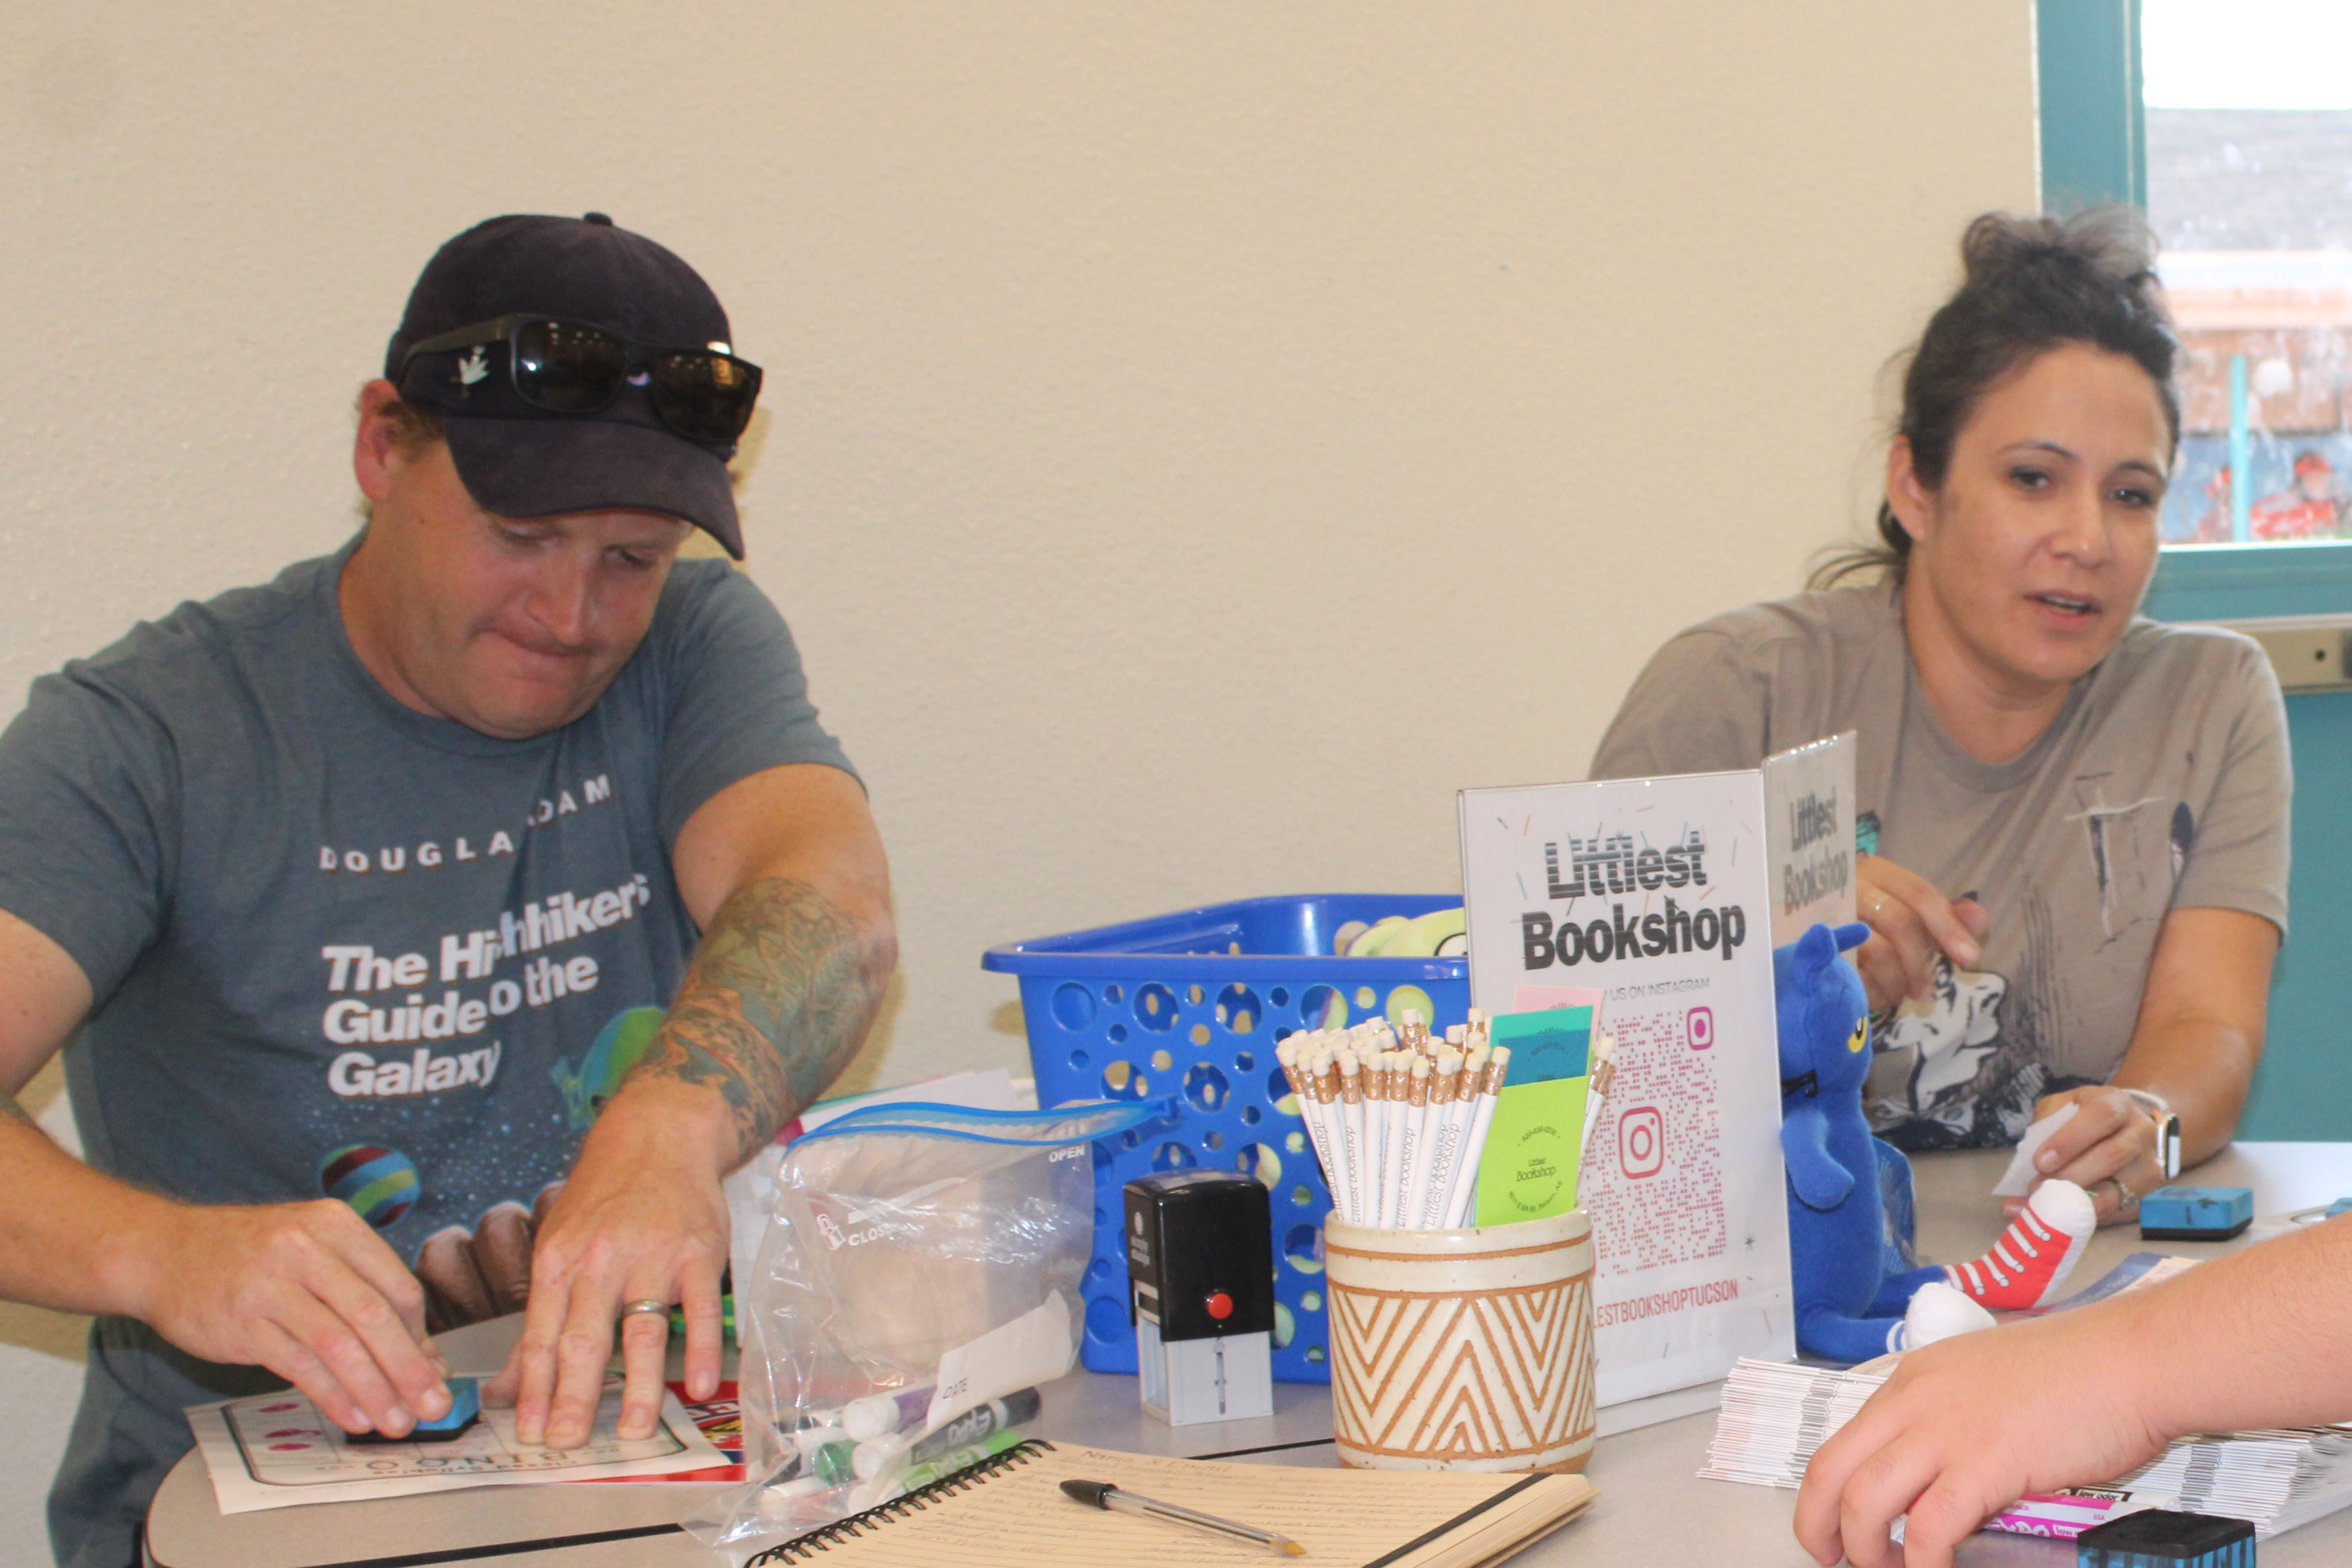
1849 1309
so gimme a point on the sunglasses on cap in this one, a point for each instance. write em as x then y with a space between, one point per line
572 367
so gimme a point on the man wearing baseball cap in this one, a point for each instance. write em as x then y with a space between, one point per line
360 894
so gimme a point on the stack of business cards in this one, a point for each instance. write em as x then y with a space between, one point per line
1776 1414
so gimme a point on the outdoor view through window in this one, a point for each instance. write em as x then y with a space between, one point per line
2250 189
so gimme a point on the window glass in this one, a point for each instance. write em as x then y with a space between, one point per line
2249 109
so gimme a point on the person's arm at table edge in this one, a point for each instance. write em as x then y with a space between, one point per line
305 1290
2260 1338
785 872
2199 1036
2196 1041
61 1224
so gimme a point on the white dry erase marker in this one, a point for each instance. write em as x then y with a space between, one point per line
879 1415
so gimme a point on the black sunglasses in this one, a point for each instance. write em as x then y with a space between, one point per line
571 367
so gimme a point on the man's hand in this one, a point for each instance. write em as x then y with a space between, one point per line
1910 924
304 1289
642 1219
2108 1141
1967 1426
783 871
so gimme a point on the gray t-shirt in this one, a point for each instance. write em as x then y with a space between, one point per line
2164 783
342 948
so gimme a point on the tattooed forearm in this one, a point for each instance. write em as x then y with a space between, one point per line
780 992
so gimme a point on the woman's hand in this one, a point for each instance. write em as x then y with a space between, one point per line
2108 1148
1910 922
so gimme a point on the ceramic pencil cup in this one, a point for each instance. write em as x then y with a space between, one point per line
1462 1350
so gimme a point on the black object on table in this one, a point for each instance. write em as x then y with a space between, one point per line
2160 1536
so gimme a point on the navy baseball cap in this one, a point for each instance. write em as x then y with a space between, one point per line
522 461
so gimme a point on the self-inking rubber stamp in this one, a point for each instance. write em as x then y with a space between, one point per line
1200 1294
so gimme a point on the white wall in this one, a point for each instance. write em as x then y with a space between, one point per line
1198 439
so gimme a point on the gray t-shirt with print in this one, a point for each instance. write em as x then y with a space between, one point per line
2164 783
341 948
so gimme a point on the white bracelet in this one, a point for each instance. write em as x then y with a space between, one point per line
2148 1100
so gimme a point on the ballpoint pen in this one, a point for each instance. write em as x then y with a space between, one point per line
1103 1494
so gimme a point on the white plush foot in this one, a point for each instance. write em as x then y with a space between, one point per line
2034 1255
1936 1311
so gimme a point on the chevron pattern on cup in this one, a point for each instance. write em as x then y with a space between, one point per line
1497 1374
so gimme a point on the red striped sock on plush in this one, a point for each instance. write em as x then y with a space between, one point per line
2035 1254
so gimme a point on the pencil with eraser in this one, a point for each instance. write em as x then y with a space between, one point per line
1302 1092
1352 1132
1601 1074
1416 1142
1325 1081
1430 1203
1459 1115
1490 1090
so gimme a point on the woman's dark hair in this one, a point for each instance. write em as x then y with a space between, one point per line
2031 285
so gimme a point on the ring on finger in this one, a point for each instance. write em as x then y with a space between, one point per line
648 1305
2125 1197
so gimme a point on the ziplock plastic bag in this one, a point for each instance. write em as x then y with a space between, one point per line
919 1279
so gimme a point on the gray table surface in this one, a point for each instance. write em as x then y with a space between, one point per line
1652 1510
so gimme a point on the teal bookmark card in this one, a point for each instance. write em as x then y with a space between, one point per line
1547 1045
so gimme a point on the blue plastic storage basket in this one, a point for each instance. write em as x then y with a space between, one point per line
1187 1009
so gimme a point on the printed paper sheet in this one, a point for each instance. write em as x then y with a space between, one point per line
276 1450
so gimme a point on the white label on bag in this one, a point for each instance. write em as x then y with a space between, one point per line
1033 1348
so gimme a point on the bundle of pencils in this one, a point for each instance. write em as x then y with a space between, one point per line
1398 1117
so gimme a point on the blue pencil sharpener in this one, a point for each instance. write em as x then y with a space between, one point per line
2196 1213
2157 1538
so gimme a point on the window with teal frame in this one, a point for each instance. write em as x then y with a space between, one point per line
2256 193
2266 454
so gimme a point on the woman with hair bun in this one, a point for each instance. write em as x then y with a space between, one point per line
2074 820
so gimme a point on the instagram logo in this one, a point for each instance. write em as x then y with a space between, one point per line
1698 1027
1641 1141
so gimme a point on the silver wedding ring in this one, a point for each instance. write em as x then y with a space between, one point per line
647 1305
2125 1197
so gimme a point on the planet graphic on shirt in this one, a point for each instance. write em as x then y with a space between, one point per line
617 1048
380 1184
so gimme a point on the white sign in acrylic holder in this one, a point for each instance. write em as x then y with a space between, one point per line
1655 892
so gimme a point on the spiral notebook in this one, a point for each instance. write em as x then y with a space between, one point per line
1010 1513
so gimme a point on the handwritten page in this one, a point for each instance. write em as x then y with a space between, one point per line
275 1450
1019 1518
